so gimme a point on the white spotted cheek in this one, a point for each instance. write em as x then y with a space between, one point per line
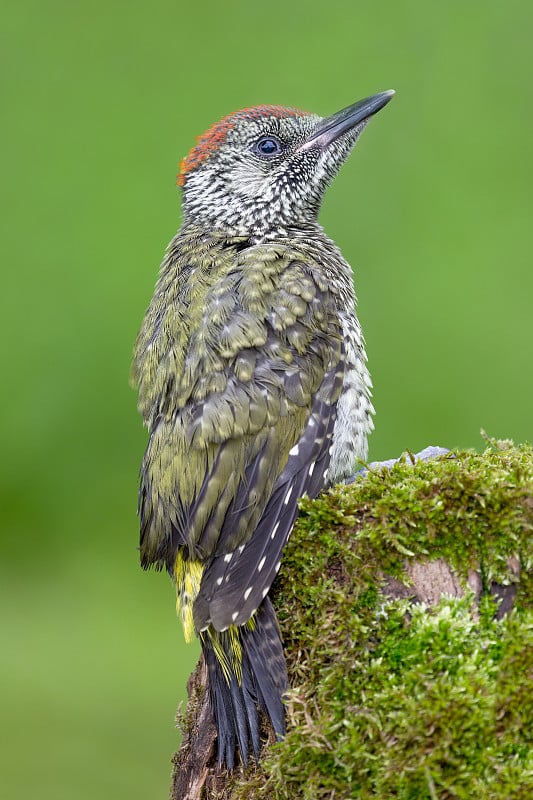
249 184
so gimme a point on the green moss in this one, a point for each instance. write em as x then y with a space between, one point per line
393 699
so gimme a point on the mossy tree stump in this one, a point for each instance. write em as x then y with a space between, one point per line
405 605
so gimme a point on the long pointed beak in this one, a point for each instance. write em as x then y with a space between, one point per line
333 127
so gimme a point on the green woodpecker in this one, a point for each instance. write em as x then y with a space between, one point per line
253 384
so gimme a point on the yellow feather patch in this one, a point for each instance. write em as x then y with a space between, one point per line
226 644
228 648
188 577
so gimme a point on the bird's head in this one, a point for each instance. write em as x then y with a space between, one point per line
265 169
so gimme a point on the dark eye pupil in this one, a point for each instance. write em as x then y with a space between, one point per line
268 146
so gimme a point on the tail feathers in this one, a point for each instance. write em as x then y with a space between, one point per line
265 653
250 701
221 708
257 683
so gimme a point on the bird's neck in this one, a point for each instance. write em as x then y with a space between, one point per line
308 242
308 231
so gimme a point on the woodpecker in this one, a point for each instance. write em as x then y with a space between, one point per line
252 378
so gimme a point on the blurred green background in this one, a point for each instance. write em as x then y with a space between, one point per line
100 101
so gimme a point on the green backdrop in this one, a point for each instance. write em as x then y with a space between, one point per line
100 101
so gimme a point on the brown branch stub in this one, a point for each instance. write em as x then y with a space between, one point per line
428 581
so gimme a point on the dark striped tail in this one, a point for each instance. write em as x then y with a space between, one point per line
237 699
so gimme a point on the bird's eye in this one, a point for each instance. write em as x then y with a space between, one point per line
268 146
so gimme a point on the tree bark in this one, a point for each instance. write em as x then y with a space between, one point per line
481 503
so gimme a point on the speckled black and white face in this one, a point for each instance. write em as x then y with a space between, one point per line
261 170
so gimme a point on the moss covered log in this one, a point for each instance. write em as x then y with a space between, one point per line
406 607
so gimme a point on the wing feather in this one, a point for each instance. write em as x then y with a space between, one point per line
232 589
